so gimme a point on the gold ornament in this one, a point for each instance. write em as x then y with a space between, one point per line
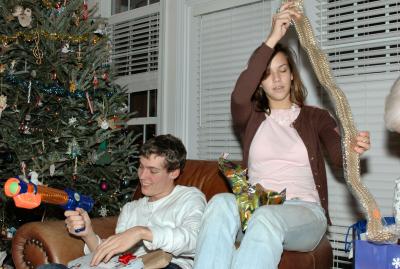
37 53
376 232
3 103
72 86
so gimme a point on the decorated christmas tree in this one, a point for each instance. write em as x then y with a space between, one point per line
63 120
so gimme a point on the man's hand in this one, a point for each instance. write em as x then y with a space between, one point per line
119 243
78 220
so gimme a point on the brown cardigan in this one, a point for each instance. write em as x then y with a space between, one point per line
315 126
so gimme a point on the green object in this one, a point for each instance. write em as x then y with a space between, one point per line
248 198
103 156
14 186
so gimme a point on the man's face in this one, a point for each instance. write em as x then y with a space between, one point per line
155 181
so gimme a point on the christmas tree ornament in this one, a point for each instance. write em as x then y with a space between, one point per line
115 123
18 10
24 126
102 123
47 3
25 18
2 68
92 157
105 76
53 75
102 154
79 57
95 81
37 53
73 149
12 67
34 178
101 29
125 183
52 169
3 103
95 39
58 5
72 86
85 10
72 121
23 169
89 102
29 91
103 211
75 19
103 185
65 48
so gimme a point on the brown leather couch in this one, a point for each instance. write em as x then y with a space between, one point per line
37 243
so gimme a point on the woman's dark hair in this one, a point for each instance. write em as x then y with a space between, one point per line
298 92
167 146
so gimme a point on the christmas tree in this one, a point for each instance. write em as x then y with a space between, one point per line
63 120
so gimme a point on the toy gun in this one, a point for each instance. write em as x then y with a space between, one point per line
29 195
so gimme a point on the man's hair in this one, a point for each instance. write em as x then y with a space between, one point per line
167 146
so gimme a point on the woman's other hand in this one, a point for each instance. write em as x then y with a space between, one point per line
363 142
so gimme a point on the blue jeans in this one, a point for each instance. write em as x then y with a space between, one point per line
295 225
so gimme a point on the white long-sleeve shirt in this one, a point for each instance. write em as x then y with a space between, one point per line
174 221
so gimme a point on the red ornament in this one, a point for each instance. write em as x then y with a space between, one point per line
58 5
95 82
105 76
125 258
103 185
85 12
53 75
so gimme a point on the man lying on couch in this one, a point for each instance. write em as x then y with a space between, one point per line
167 217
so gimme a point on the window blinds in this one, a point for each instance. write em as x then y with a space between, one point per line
227 39
135 45
361 37
362 41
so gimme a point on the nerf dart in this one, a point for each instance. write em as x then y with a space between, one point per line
29 195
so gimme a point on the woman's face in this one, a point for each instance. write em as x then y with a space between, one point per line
277 84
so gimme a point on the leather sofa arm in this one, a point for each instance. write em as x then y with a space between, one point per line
37 243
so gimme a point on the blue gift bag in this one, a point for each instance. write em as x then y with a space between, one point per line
374 256
359 228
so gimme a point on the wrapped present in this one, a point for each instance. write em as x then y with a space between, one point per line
248 197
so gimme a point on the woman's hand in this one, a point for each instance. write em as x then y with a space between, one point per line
281 23
363 142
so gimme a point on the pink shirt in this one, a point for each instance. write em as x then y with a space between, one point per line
278 158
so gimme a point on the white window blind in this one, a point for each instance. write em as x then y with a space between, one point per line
362 41
135 45
227 39
361 37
